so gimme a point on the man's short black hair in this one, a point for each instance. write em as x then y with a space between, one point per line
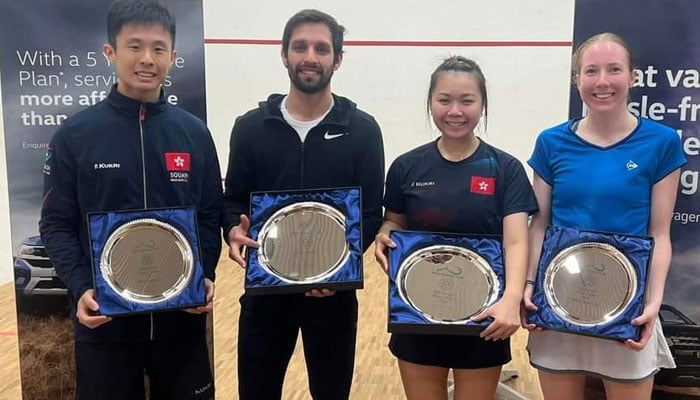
315 17
140 12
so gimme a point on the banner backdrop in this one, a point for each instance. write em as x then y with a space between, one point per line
53 66
665 40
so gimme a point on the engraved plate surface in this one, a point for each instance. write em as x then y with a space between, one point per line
590 283
447 284
303 242
147 261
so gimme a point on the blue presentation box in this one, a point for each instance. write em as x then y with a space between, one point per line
448 269
146 260
591 283
309 239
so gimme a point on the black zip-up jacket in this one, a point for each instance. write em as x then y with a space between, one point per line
344 149
112 156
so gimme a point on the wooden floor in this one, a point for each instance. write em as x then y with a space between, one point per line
9 360
376 373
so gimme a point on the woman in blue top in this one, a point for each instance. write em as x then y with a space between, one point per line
609 171
459 184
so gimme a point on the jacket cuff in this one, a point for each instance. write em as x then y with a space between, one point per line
79 291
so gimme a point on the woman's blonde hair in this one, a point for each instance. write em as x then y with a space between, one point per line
600 37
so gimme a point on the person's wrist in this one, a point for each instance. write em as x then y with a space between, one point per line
512 296
653 306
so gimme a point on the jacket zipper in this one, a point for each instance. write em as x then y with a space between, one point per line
301 178
142 118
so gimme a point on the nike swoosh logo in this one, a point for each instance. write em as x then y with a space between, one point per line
329 136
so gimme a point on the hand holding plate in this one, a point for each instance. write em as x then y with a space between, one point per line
238 238
87 308
381 242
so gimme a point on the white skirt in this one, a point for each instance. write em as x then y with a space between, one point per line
565 352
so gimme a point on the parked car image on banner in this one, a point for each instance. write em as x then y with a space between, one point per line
683 337
34 273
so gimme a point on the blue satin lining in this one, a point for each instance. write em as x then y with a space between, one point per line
407 242
637 249
101 227
345 200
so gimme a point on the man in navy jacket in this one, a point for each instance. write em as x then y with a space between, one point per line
133 151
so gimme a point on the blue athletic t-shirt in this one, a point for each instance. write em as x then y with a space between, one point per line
469 196
605 188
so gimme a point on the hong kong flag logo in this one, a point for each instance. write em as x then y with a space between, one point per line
177 161
481 185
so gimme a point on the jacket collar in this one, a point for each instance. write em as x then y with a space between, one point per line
340 114
132 107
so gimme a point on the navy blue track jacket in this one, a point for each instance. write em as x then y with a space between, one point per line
115 156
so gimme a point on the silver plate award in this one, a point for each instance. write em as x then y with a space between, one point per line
147 261
303 242
447 284
590 283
